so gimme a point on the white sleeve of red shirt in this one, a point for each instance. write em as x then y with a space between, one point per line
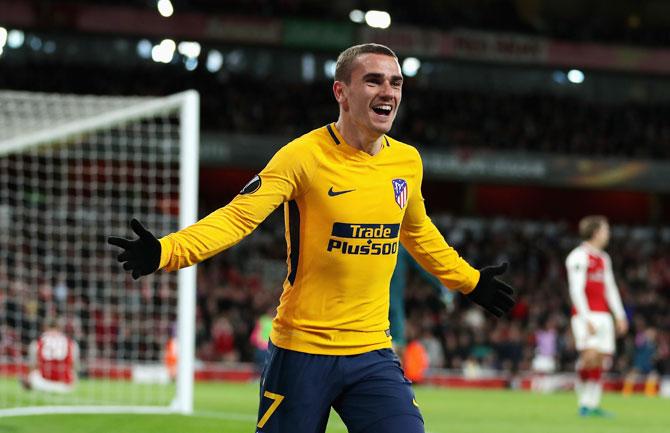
611 290
32 354
577 265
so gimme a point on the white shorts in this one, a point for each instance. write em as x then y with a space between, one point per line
544 364
37 382
602 340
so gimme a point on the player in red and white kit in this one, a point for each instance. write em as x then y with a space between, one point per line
594 294
54 359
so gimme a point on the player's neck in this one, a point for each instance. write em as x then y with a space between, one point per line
593 245
357 138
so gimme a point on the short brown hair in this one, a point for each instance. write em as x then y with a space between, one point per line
345 61
590 224
52 322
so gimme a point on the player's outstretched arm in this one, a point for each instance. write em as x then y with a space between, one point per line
492 294
140 256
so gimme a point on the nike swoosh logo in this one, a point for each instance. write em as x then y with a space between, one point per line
336 193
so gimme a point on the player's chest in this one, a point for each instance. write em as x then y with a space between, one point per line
596 269
348 192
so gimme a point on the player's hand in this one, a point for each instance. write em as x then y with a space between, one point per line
139 256
493 295
622 326
590 327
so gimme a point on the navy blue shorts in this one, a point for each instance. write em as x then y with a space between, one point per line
368 391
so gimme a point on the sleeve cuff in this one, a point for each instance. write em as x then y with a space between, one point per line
473 279
166 250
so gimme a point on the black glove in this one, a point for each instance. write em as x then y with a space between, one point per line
491 293
140 256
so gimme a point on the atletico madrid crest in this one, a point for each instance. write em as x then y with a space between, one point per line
400 192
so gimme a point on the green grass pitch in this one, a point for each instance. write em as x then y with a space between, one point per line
231 408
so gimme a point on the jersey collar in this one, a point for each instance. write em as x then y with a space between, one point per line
345 147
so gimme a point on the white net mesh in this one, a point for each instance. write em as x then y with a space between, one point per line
59 200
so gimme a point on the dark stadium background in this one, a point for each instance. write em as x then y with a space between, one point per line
529 114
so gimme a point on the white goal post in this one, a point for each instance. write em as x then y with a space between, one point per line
74 170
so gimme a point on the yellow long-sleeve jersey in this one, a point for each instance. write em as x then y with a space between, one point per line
345 212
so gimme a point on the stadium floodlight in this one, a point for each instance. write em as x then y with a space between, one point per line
144 47
189 49
558 77
15 38
357 16
214 61
49 47
3 37
329 67
575 76
410 66
35 43
190 64
164 52
378 19
308 67
236 60
165 8
74 169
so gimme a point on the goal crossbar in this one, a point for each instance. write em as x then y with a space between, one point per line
95 122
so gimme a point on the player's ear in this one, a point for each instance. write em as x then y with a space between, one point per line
339 90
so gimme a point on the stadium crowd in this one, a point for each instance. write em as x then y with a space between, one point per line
236 288
460 120
623 23
429 117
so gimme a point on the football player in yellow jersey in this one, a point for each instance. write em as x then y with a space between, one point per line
350 194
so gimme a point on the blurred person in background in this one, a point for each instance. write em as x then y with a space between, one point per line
350 194
53 361
644 360
260 337
415 360
399 281
171 353
594 293
546 346
223 339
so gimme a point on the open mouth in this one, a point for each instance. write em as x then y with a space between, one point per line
383 109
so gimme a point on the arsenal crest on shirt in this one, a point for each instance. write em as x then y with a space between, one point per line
400 192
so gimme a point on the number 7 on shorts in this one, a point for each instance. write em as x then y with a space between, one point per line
273 407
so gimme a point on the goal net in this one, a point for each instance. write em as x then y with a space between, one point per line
74 170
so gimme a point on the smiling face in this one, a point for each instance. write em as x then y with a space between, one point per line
370 99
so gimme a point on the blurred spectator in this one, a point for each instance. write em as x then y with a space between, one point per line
171 353
433 348
234 290
546 346
260 337
644 360
638 23
461 121
415 360
223 340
